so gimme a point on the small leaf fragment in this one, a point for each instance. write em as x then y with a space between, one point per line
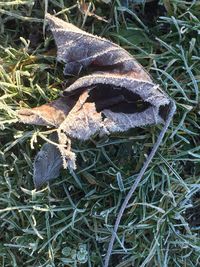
47 164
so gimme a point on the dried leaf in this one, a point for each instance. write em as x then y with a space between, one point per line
121 91
47 164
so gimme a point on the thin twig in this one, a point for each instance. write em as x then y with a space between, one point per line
137 181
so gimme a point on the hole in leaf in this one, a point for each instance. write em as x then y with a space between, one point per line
116 99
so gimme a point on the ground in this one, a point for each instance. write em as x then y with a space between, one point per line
69 221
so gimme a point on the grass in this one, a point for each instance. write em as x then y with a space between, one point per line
69 221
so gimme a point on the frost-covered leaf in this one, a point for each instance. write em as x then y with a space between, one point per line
47 164
118 94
